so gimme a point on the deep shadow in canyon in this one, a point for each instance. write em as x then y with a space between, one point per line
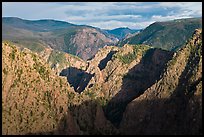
77 78
136 81
145 117
179 114
104 61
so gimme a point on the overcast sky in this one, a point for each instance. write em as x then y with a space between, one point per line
105 15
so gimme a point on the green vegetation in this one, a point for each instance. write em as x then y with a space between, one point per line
15 82
102 101
36 47
69 48
91 94
41 70
127 59
12 54
5 72
70 95
47 99
32 44
60 83
19 73
173 61
76 57
161 34
120 33
34 57
200 51
57 57
10 43
137 50
140 49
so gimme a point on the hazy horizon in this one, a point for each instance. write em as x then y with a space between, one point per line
108 15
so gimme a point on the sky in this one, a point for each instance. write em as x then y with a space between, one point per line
105 15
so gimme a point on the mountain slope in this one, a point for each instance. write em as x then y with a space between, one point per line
57 35
173 105
170 35
118 75
162 90
36 101
134 89
33 98
35 25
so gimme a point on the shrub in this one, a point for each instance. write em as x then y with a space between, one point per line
71 95
102 101
127 59
34 57
12 55
137 49
5 72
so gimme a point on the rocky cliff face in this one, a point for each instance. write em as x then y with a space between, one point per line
88 40
119 75
33 97
135 89
59 60
149 91
37 101
173 105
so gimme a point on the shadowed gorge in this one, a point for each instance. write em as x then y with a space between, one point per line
104 61
177 115
77 78
150 117
180 111
136 81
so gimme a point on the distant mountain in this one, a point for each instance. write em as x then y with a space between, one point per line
35 25
80 40
169 35
121 33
